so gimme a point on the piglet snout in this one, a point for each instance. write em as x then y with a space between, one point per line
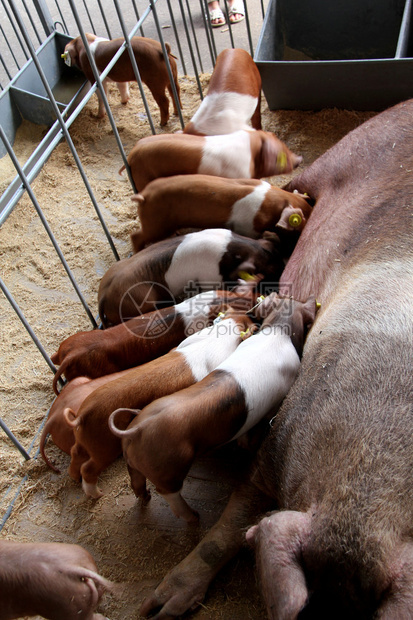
296 160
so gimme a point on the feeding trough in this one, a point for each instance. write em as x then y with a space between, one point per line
26 97
356 55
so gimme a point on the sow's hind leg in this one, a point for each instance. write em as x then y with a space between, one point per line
185 586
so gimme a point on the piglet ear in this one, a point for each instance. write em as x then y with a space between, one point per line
271 151
309 311
270 241
251 534
71 50
291 219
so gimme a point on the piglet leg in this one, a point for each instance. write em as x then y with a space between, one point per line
123 88
138 484
180 508
185 586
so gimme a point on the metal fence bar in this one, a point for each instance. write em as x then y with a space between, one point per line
22 318
63 22
104 19
62 123
11 52
13 501
191 21
135 8
45 152
47 228
207 27
44 16
178 42
211 39
16 32
137 76
36 32
247 22
191 51
60 128
14 439
166 59
88 14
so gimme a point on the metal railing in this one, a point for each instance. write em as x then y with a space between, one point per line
27 27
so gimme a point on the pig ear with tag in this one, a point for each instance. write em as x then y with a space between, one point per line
309 311
291 218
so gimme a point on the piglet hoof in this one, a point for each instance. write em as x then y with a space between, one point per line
145 497
193 518
91 490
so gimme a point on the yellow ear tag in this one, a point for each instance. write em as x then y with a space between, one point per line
219 317
244 275
281 160
295 220
317 305
260 299
67 58
243 334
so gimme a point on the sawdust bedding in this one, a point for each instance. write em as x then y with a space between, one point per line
130 543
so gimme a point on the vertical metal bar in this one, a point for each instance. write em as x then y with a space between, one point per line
45 224
23 319
262 9
102 12
177 38
191 51
207 27
61 16
44 16
188 8
229 25
64 128
137 75
166 58
247 22
11 52
32 23
5 67
402 43
88 14
135 8
14 440
16 32
211 34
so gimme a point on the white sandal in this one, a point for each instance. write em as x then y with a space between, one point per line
236 9
216 14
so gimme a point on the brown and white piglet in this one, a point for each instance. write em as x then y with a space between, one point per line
72 395
233 98
52 580
96 447
163 439
98 352
168 269
247 206
244 154
149 58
